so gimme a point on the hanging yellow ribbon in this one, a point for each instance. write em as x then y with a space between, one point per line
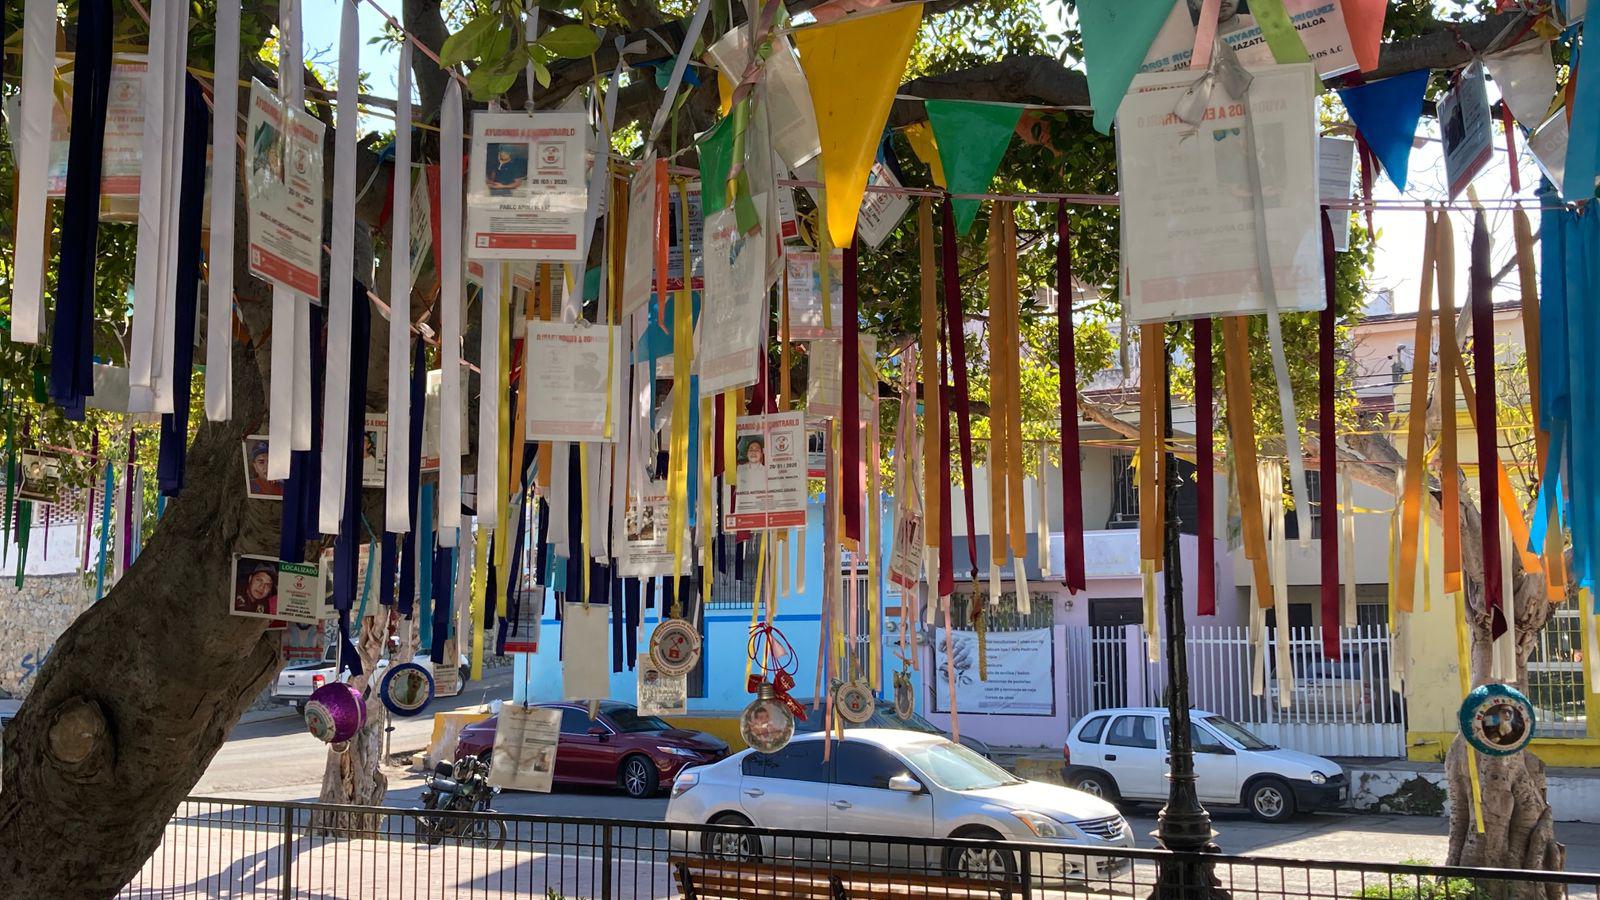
932 407
999 397
730 436
708 525
825 269
1445 394
1528 278
1242 436
874 549
480 585
1016 527
1416 427
543 306
585 498
1464 668
1152 384
682 364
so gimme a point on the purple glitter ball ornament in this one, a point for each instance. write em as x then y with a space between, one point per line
335 713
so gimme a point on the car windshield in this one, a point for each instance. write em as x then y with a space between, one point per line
628 720
956 768
1238 734
884 716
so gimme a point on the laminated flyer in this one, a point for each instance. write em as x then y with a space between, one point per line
374 449
432 412
124 126
905 559
525 740
881 211
1336 160
643 542
1465 123
676 200
770 452
822 381
638 276
264 588
661 694
1319 23
1189 221
573 372
736 304
527 192
283 179
804 279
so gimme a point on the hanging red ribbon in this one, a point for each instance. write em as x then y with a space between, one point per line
947 574
1488 449
1329 455
1067 366
958 362
1365 152
1510 124
1205 471
850 403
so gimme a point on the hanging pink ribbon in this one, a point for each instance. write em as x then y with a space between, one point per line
850 402
1205 472
1329 456
1073 574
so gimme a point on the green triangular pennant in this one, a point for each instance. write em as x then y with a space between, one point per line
972 137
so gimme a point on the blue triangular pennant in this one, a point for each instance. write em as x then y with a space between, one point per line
1386 113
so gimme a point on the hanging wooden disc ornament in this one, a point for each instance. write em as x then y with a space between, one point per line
766 724
905 700
335 713
675 647
855 702
1497 719
407 689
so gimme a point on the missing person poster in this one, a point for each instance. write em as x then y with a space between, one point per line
638 276
1465 125
1319 23
905 559
1336 160
804 276
643 545
677 199
823 376
770 488
881 212
257 485
574 382
264 588
432 412
526 191
735 304
42 472
374 449
661 694
283 180
1189 221
525 740
124 126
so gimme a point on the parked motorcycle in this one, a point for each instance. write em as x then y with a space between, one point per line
462 786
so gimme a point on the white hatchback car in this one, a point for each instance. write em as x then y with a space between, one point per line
900 783
1123 754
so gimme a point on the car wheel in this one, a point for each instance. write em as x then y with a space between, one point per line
300 708
1270 800
1097 784
988 863
729 845
639 777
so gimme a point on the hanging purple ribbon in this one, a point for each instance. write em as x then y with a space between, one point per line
1073 574
348 545
304 484
191 203
72 335
947 566
443 584
958 363
1329 470
1482 299
408 548
850 402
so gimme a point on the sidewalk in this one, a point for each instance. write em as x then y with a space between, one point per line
1396 786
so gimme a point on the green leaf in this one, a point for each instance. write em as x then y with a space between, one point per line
542 73
570 41
468 43
487 83
495 45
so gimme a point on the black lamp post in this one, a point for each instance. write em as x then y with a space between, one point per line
1183 826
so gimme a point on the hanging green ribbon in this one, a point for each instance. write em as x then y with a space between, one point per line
1282 39
24 525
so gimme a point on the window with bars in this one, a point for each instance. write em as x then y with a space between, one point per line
1002 615
1124 491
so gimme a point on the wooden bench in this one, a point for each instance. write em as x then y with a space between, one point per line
700 878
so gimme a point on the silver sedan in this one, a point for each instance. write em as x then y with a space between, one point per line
902 784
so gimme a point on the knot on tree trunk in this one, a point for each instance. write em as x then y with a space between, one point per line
79 741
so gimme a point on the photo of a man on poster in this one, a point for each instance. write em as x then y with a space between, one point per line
1232 15
255 587
507 169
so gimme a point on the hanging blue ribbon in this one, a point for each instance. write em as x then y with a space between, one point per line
424 553
408 545
171 460
348 542
72 334
443 585
105 531
304 484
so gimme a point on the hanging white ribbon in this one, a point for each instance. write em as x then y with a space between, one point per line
397 480
288 326
224 173
1347 549
489 490
155 265
33 166
691 37
341 281
451 140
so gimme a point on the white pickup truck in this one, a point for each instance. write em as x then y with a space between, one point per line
296 682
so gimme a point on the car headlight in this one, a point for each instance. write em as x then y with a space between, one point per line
1041 825
1318 778
677 751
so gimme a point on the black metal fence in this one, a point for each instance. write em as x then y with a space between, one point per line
242 848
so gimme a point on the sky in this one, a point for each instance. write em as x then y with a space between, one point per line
1398 255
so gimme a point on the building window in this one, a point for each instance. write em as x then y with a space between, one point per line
1124 491
1291 527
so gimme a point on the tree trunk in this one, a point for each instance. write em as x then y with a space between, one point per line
355 777
1518 828
142 689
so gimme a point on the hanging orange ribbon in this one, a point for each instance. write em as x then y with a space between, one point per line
1242 436
1449 458
1417 415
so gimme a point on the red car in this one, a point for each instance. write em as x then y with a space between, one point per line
621 748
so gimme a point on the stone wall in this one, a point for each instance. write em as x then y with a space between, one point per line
31 618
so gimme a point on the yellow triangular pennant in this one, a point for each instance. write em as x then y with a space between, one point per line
854 67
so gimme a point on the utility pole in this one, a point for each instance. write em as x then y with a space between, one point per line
1183 826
